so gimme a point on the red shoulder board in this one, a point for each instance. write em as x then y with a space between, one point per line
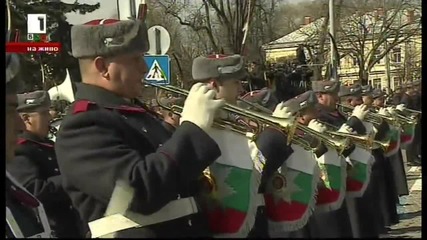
22 140
131 109
102 22
335 113
82 106
24 197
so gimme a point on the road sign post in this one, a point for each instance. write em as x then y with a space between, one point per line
159 39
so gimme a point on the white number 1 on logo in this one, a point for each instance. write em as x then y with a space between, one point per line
41 22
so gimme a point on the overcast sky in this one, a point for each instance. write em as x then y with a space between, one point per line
108 9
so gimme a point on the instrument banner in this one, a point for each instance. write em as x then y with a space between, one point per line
291 194
232 204
394 146
360 173
332 187
408 134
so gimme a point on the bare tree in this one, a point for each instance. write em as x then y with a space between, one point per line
368 36
224 22
316 36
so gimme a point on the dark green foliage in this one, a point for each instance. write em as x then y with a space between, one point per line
58 30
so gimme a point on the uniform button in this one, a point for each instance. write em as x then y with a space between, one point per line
189 222
40 150
144 129
56 170
71 207
49 158
160 145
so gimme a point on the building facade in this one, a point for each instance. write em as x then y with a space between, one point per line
404 59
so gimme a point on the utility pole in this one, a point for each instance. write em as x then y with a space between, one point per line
387 58
334 63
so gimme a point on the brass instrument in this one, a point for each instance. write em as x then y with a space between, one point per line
367 142
371 117
334 141
256 106
411 111
262 120
337 142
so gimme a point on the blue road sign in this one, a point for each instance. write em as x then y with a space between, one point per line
158 69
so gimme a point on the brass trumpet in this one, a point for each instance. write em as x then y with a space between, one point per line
262 120
337 142
371 117
256 106
367 142
412 111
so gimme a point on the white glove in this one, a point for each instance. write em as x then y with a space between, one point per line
282 111
200 106
287 114
391 110
345 129
360 111
317 126
384 112
400 107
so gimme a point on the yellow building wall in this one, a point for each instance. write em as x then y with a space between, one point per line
274 55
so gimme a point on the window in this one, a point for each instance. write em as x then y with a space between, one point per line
354 61
377 55
396 81
396 55
376 83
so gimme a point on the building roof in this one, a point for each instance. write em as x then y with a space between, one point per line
309 31
300 35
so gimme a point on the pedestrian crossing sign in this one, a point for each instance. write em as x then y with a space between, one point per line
158 69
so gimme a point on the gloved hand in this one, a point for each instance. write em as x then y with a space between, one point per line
400 107
360 111
282 111
200 106
384 112
391 110
317 126
345 129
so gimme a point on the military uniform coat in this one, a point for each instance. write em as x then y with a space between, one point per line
36 168
336 223
273 146
111 139
25 210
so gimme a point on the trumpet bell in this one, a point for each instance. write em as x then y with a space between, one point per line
384 145
64 91
365 142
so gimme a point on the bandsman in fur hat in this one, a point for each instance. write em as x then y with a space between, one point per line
117 139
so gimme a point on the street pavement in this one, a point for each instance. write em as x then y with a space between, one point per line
410 208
